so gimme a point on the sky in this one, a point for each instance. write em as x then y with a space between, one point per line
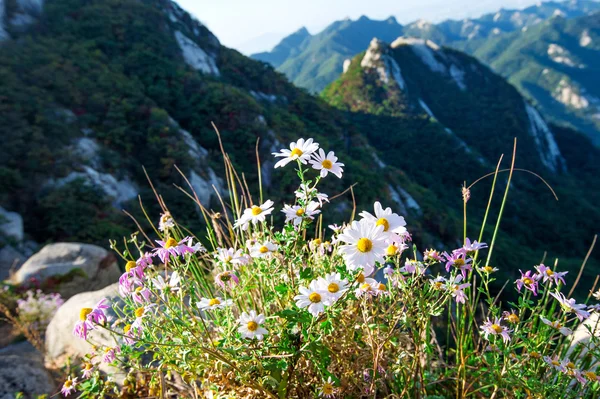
257 25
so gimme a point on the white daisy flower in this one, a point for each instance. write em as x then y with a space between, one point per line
556 325
300 150
163 286
262 250
255 214
328 389
312 298
368 287
250 325
391 222
230 256
334 285
439 283
166 222
297 213
365 245
213 303
306 193
327 164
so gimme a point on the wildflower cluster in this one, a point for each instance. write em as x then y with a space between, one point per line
37 309
300 310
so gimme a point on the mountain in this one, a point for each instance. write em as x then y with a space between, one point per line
431 111
537 49
288 47
556 64
94 91
450 32
313 62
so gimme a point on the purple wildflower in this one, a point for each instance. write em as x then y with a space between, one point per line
459 260
495 328
173 248
529 281
548 274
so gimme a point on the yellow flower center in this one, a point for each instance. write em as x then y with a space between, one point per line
314 297
383 222
549 272
527 280
300 212
391 250
555 362
84 312
438 284
382 287
68 383
227 259
256 210
214 302
488 269
327 389
130 265
535 355
127 328
88 366
327 164
365 287
138 289
263 250
513 318
459 262
364 245
591 376
496 328
225 276
571 365
171 242
296 152
252 325
361 278
333 288
317 241
139 312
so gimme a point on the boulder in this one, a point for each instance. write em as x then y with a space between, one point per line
11 224
61 344
69 268
22 370
10 260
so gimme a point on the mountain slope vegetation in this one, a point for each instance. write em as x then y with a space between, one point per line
95 91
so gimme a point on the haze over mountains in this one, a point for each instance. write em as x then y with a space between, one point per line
92 91
539 49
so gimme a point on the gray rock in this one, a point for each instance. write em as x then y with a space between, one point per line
10 261
11 224
60 342
73 267
22 370
583 333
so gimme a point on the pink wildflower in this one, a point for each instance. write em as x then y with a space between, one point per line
459 260
110 354
569 305
69 386
529 281
495 328
548 274
173 248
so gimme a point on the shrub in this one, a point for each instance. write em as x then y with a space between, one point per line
344 311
